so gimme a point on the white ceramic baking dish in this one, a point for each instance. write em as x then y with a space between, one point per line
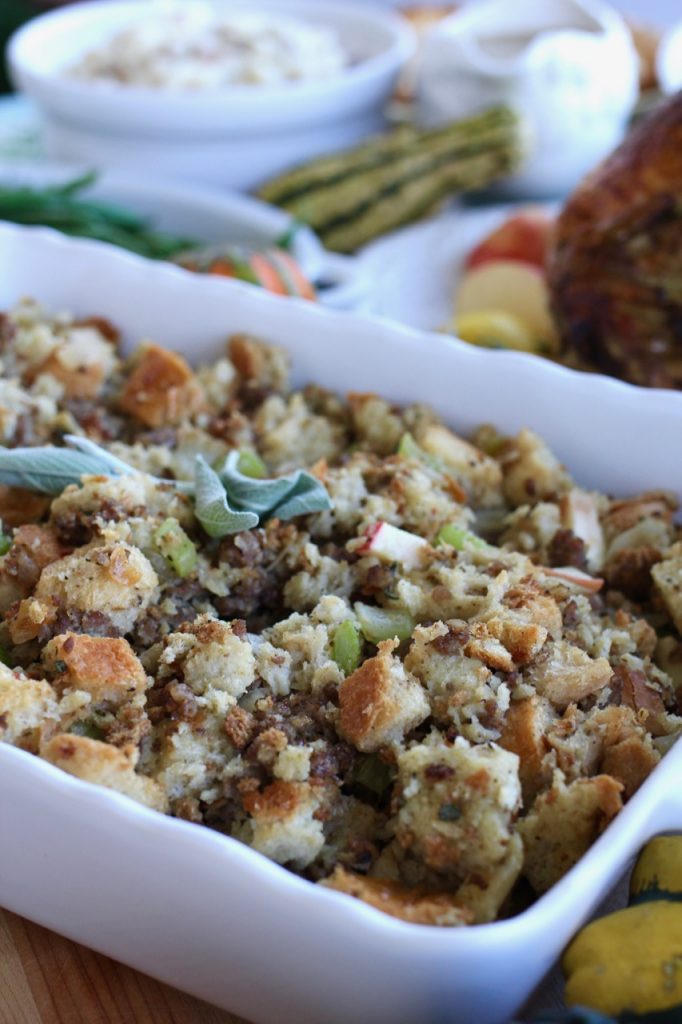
203 912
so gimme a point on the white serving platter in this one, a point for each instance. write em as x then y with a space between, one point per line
204 913
415 270
207 214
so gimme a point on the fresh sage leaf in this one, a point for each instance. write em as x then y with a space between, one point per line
115 465
296 494
48 470
306 496
211 505
258 495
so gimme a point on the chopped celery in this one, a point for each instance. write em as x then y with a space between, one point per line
372 773
458 538
251 464
409 449
383 623
86 728
5 543
347 647
173 543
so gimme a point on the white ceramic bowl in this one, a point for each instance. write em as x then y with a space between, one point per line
237 136
203 912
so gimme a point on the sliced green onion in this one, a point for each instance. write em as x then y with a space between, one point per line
251 464
173 543
347 647
458 538
383 623
372 773
5 543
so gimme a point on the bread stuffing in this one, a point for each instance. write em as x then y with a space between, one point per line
420 669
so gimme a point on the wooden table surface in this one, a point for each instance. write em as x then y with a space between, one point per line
46 979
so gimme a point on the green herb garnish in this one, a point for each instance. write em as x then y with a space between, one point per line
251 464
211 505
225 502
296 494
449 812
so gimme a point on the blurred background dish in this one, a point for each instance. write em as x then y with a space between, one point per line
177 216
233 136
568 66
668 60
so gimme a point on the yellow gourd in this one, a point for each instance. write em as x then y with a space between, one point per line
629 964
657 875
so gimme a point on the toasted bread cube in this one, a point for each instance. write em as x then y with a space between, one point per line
375 422
113 578
106 668
580 515
565 674
218 659
631 762
667 577
528 603
523 640
94 761
531 472
161 390
628 753
563 824
417 906
482 644
24 706
283 825
19 506
380 702
457 807
81 363
33 548
265 365
484 898
524 731
479 474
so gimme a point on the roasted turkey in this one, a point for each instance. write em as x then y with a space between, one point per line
615 270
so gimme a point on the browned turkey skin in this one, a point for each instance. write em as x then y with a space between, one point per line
615 271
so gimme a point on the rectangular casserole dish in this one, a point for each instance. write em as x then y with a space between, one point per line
203 912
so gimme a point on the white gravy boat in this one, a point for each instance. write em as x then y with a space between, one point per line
568 66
